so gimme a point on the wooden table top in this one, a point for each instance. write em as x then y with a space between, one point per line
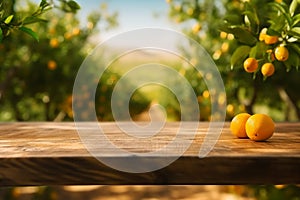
49 153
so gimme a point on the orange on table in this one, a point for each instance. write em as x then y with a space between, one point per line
237 125
260 127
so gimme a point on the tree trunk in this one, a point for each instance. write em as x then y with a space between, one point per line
290 101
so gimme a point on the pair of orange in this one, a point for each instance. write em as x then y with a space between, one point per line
258 127
281 53
251 65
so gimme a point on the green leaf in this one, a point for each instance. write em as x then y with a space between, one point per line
295 32
277 24
1 35
293 7
293 59
70 6
1 12
239 55
251 15
32 19
287 66
242 34
44 6
296 19
254 75
224 27
295 47
29 32
253 19
233 19
273 32
296 29
253 52
73 5
43 3
259 50
283 8
8 19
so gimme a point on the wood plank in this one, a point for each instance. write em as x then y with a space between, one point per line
47 153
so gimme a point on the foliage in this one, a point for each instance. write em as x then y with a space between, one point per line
10 20
280 23
220 27
276 192
36 78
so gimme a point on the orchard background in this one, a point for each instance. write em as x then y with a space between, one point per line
43 45
38 71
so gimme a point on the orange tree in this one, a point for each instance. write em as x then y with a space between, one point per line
266 31
36 77
37 73
269 33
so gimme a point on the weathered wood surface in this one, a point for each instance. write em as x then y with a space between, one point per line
53 154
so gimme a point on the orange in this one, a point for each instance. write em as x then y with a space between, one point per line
68 35
268 69
52 31
237 125
190 11
76 31
281 53
262 34
52 65
225 47
269 39
54 43
206 94
260 127
250 65
196 28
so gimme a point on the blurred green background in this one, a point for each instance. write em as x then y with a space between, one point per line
36 77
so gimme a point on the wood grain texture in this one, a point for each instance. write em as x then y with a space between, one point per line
49 153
